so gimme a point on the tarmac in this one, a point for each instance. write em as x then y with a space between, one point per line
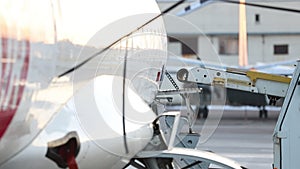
242 136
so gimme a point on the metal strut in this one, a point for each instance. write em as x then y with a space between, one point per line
171 80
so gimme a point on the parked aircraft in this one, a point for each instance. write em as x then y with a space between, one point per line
233 97
77 79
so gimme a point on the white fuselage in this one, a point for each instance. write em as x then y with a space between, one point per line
41 40
98 123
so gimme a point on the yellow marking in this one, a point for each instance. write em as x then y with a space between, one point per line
276 78
238 82
219 81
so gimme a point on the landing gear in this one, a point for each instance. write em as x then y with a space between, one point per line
263 113
203 111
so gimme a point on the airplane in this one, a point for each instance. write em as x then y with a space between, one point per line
78 83
208 94
235 97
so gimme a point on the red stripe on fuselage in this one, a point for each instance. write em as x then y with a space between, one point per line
9 66
4 116
7 112
4 57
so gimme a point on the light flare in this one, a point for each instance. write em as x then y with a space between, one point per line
243 46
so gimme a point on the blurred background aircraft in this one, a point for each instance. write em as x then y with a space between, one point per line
224 43
234 97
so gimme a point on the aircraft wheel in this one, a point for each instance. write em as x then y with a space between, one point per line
203 111
260 114
263 113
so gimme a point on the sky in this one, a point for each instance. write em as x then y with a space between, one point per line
75 20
